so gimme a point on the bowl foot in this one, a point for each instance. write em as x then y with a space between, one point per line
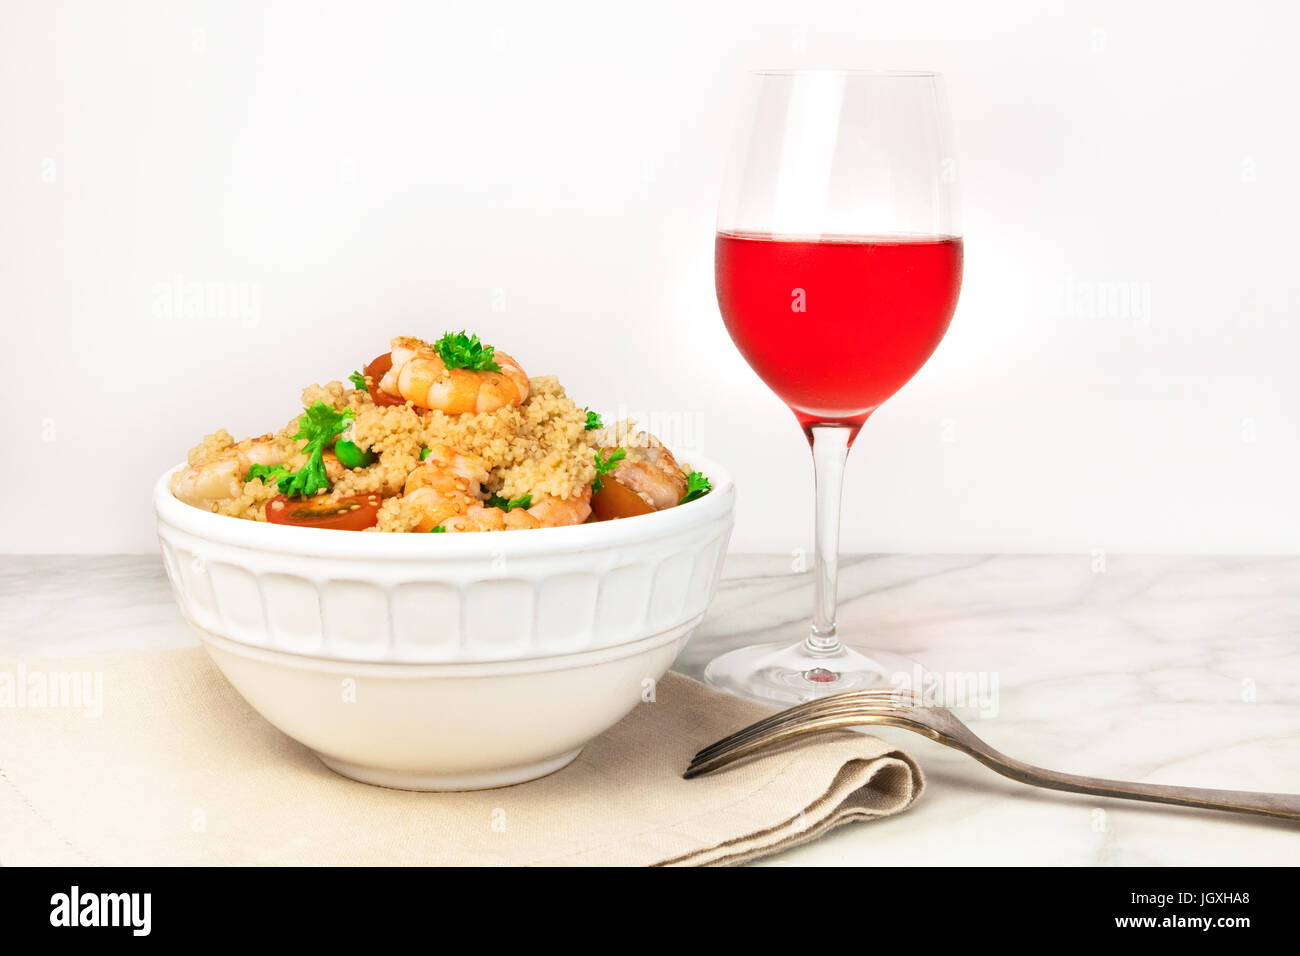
474 780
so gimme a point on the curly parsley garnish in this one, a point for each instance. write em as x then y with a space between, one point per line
523 501
268 473
593 420
697 486
358 381
318 425
458 350
605 463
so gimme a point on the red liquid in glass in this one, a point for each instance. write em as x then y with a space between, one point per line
835 326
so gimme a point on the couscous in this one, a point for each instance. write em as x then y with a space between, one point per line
449 436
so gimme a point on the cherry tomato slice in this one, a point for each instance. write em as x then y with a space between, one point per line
352 513
616 500
377 370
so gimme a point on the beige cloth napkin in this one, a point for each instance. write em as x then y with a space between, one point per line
179 770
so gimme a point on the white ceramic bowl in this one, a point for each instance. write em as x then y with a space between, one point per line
446 661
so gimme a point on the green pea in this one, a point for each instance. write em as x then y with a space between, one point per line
350 455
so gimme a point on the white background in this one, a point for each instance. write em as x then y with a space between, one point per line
547 175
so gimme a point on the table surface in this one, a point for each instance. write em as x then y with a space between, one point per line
1179 670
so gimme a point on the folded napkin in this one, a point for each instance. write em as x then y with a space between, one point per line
177 769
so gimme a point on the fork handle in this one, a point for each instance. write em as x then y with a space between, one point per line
1285 806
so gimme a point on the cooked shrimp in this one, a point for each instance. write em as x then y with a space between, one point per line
558 512
222 476
420 376
447 491
446 485
334 468
549 512
484 518
651 471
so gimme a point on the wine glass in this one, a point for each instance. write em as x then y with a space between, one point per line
838 264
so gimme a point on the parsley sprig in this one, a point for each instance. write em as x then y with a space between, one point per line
441 529
268 473
318 425
358 381
458 350
606 461
697 486
509 504
593 420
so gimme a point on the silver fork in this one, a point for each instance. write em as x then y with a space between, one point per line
855 708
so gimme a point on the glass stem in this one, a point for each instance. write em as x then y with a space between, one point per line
830 450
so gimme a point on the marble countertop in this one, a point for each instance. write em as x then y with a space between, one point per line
1168 670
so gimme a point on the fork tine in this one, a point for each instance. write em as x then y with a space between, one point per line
781 721
845 718
844 715
798 712
810 706
822 708
873 704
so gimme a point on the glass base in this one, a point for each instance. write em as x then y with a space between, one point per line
791 674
